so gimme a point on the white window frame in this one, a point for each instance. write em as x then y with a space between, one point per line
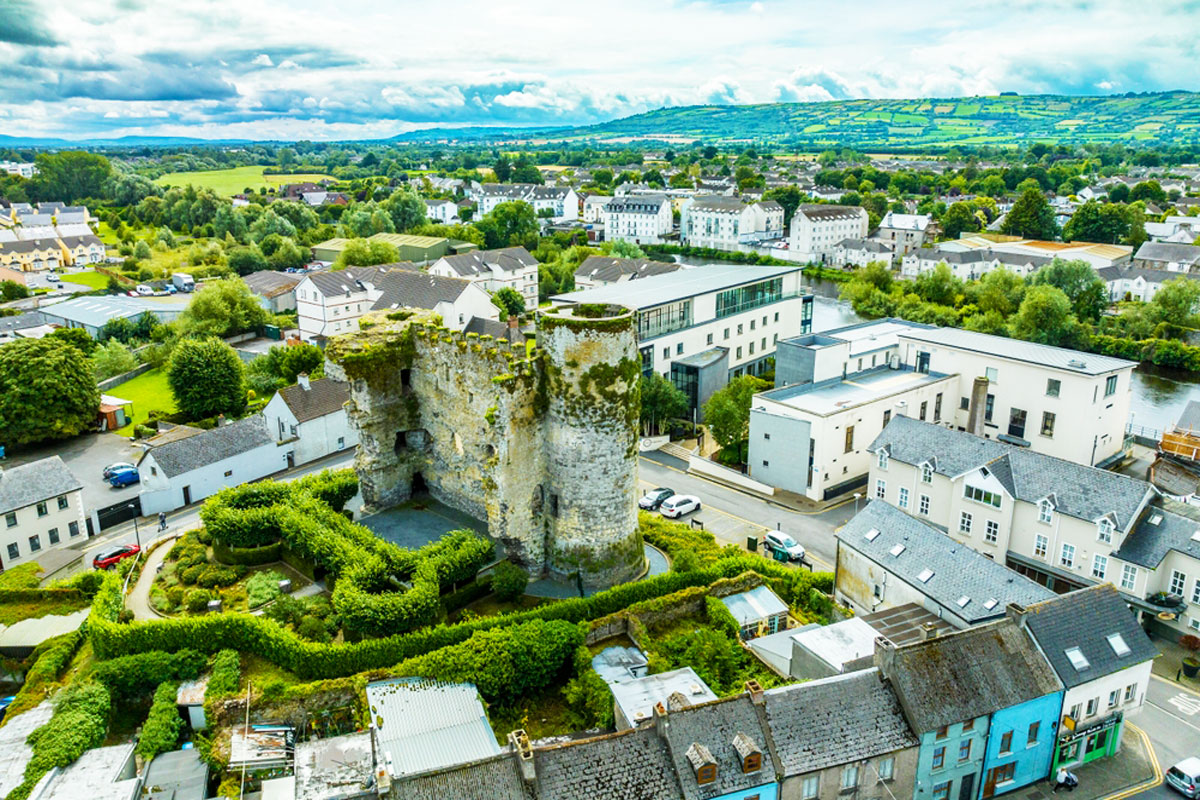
923 506
1104 530
881 459
810 788
991 531
1045 512
886 768
1129 577
1196 591
850 776
880 489
964 521
902 497
1099 566
1063 559
926 473
1041 545
1178 583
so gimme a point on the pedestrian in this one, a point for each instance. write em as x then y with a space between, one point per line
162 520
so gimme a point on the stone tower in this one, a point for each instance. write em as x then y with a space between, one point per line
590 439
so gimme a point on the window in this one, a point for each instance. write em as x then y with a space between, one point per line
228 473
849 438
1053 385
1196 591
1016 422
53 534
939 757
981 496
810 787
752 348
1006 743
992 531
1114 697
1068 555
1045 511
969 725
1099 566
850 776
751 324
887 769
941 791
989 407
679 349
708 339
35 544
62 502
41 510
740 329
881 489
937 407
1048 424
964 750
1034 728
992 374
726 336
1104 532
10 519
341 442
1076 712
903 498
883 459
924 407
73 529
667 353
964 522
1004 773
923 505
14 551
1178 580
1130 692
964 403
926 473
739 352
1110 386
1128 577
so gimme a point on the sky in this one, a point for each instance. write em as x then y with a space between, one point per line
321 70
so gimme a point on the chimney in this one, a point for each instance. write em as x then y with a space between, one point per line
885 656
755 690
1016 612
660 720
520 742
978 406
900 409
302 379
513 321
928 631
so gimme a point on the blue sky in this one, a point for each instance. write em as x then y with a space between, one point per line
314 69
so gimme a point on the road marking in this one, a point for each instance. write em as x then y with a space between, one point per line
1186 704
1144 785
1168 712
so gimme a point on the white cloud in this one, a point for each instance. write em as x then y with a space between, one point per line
263 60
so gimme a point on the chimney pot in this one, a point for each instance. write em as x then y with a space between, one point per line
755 690
1016 612
302 379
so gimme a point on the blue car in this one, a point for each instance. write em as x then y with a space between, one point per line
5 702
124 477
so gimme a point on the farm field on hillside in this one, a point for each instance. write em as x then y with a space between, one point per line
236 180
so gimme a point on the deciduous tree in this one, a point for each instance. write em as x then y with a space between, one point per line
206 378
727 413
47 391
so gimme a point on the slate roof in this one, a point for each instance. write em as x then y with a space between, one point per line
1041 354
1167 525
1076 490
1168 251
1085 619
184 455
967 674
497 330
336 282
34 482
1189 420
268 283
322 397
607 269
825 213
632 765
481 262
406 289
22 321
1126 273
837 720
636 204
714 725
718 202
958 571
495 778
870 245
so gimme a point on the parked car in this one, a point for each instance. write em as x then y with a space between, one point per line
677 505
124 477
654 498
780 542
144 290
109 558
1184 777
132 293
117 467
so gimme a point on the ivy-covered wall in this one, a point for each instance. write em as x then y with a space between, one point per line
540 442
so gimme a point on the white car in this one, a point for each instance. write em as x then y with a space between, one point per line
781 542
144 290
679 505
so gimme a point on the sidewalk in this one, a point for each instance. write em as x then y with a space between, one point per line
1130 771
1170 662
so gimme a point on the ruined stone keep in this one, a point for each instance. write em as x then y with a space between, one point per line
540 442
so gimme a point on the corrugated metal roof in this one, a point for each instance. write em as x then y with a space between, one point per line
427 725
754 605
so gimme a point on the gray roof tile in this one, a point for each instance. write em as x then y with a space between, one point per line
34 482
1165 526
322 397
607 269
633 765
494 778
481 262
184 455
406 289
714 725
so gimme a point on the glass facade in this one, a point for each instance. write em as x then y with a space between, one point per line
687 380
664 319
744 298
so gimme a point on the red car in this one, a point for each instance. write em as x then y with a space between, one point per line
109 558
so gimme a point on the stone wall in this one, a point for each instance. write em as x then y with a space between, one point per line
540 443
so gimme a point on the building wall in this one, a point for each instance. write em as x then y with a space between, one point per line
313 439
954 771
868 786
779 450
816 240
857 578
319 315
160 493
29 524
1032 761
1099 690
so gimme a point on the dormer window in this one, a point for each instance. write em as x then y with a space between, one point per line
883 459
926 473
748 752
703 763
1104 530
1045 511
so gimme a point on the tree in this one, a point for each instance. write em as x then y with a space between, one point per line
661 401
1177 302
118 328
222 308
959 217
77 338
1030 217
11 290
1119 193
680 180
526 173
502 168
296 359
47 391
289 255
245 260
112 358
1150 191
1079 282
938 285
1045 317
510 224
206 377
269 223
509 301
727 413
405 208
366 253
142 250
70 176
1094 222
786 196
1000 290
877 274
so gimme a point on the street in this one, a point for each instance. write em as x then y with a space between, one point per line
1171 718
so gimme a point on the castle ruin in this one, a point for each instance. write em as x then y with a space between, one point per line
540 442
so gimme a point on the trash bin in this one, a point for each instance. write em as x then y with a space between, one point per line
752 544
781 555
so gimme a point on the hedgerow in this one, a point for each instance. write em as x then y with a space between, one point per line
129 676
48 661
226 675
163 725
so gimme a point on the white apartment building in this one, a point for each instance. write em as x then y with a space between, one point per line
309 419
638 218
443 211
1138 283
904 233
511 267
969 265
728 223
860 253
25 170
817 229
702 326
593 207
560 201
330 302
41 504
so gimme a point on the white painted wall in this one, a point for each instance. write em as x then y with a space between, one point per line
29 524
160 493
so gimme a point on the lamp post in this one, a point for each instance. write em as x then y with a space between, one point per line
136 534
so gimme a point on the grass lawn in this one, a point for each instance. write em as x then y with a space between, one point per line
90 279
233 181
107 235
148 392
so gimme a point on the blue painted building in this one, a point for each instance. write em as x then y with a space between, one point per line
984 704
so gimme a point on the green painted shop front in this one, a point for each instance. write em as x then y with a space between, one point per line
1086 744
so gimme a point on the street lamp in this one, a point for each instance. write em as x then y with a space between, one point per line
133 507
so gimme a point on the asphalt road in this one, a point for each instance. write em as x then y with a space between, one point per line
1171 718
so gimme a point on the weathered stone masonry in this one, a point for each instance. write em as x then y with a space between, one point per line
540 443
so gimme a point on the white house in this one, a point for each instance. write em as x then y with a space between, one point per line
458 301
817 229
860 252
309 419
443 211
1168 256
728 223
1138 283
276 291
185 471
904 233
1103 658
330 302
41 504
560 201
643 219
511 267
604 270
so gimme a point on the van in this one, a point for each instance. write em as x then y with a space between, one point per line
1184 777
144 290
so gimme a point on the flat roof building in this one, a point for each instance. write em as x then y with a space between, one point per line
634 701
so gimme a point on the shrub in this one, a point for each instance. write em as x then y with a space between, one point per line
196 600
226 674
175 596
190 574
22 576
78 724
263 587
214 576
287 610
588 698
312 628
49 659
509 581
129 676
163 725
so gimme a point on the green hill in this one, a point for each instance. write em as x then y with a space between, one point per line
1171 118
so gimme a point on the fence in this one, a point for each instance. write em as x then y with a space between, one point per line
117 380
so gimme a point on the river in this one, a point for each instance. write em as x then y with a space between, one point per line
1159 395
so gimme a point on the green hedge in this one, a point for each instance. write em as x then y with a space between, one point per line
1168 353
129 676
464 596
78 724
248 556
226 675
163 725
48 661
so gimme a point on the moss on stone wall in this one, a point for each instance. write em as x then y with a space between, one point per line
580 321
